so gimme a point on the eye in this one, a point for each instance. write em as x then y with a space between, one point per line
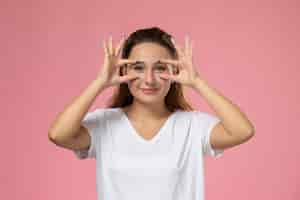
138 67
161 68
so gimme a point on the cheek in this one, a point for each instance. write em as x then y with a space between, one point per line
133 86
167 88
165 83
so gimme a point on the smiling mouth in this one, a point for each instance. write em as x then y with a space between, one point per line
149 91
149 88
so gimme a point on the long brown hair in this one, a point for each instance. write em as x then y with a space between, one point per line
175 98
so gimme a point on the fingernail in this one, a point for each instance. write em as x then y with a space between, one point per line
173 41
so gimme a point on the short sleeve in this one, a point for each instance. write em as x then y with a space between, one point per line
94 123
205 123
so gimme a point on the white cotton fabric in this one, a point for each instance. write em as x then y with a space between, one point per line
170 166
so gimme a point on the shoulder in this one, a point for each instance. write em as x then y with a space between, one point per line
101 113
183 117
198 117
189 114
107 113
104 110
203 115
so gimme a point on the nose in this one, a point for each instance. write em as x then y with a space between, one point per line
149 76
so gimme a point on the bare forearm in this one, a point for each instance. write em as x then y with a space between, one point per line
233 119
68 121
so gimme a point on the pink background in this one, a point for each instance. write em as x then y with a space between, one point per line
248 50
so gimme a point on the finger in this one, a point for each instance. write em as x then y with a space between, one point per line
174 63
110 46
105 47
177 47
169 77
180 51
119 47
191 49
127 78
163 76
186 49
125 61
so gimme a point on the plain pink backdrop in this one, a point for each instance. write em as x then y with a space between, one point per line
247 50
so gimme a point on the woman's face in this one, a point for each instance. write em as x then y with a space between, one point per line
148 69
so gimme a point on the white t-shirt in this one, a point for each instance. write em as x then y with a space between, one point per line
170 166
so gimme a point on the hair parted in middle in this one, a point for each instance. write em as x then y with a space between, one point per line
175 98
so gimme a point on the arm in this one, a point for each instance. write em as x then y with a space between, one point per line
66 130
234 127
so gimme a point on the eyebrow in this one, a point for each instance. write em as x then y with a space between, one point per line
141 62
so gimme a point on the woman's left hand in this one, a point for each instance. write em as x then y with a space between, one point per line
187 74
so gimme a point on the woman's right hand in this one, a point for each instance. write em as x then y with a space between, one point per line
110 72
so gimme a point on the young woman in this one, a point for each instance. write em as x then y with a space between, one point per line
149 143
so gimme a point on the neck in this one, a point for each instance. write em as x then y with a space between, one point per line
156 111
